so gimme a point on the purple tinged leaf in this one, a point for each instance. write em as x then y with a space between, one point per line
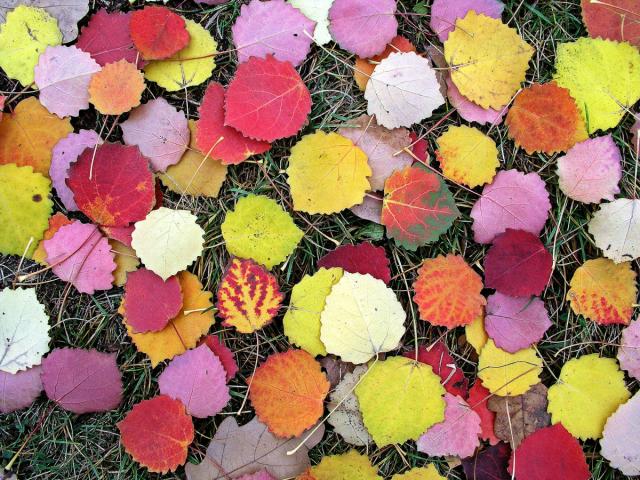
629 350
489 464
370 209
82 381
65 152
198 379
444 13
272 28
20 389
470 111
515 323
620 441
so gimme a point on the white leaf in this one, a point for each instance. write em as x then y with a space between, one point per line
616 229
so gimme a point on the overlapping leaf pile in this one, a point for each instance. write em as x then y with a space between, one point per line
92 210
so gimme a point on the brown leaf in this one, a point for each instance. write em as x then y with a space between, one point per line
518 417
336 369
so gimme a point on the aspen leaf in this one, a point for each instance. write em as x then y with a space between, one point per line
437 355
471 112
476 334
478 401
508 374
616 229
157 32
444 13
364 67
620 439
348 466
107 38
318 11
346 418
629 349
126 261
360 258
488 464
430 472
224 354
612 19
117 88
19 390
56 221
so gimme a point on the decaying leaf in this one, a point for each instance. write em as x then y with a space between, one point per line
346 418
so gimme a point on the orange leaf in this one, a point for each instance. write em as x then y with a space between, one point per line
447 292
248 296
545 118
364 66
27 136
287 392
55 222
157 433
117 88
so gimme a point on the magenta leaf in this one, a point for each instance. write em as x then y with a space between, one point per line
629 350
20 389
470 111
444 13
224 354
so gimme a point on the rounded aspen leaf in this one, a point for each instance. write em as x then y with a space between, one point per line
56 221
302 319
467 156
348 466
477 400
612 19
24 35
26 207
260 91
588 391
437 355
19 390
157 32
327 173
444 13
190 66
429 472
603 291
126 261
288 391
475 333
345 417
616 229
508 374
260 229
469 110
224 354
620 438
629 349
117 88
112 184
183 331
28 135
318 11
488 59
360 303
399 400
157 433
447 292
359 258
364 67
248 296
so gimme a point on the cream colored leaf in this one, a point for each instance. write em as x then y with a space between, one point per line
616 229
318 11
346 419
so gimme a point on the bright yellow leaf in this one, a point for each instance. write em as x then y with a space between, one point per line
126 261
467 156
488 60
399 400
508 374
190 66
327 173
603 76
26 33
302 320
476 334
588 391
260 229
430 472
182 332
348 466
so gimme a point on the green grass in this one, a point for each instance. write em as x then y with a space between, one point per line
67 446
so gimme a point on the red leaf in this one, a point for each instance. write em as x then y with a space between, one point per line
360 258
157 433
215 139
551 452
158 33
438 356
517 264
613 19
121 234
267 100
149 301
420 147
489 464
121 188
478 397
223 353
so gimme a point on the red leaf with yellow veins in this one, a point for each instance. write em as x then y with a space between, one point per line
447 292
157 433
248 296
545 118
288 392
113 188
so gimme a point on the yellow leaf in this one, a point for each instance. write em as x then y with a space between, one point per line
302 320
588 391
361 318
488 60
182 332
430 472
603 76
508 374
193 175
27 136
190 66
476 334
25 209
327 173
126 261
260 229
348 466
467 156
25 34
399 400
603 291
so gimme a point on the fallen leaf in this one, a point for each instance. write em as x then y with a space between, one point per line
336 369
117 88
475 333
629 349
508 374
478 401
616 229
224 354
126 261
488 464
437 356
469 110
348 466
444 13
157 32
318 11
364 67
612 19
430 472
20 389
67 15
619 443
345 417
359 258
370 209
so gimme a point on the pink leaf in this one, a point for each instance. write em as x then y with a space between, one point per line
515 323
275 28
62 75
82 381
370 209
629 350
457 435
121 234
79 254
19 390
444 13
620 441
591 170
198 379
65 152
160 132
469 110
513 200
224 354
363 27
